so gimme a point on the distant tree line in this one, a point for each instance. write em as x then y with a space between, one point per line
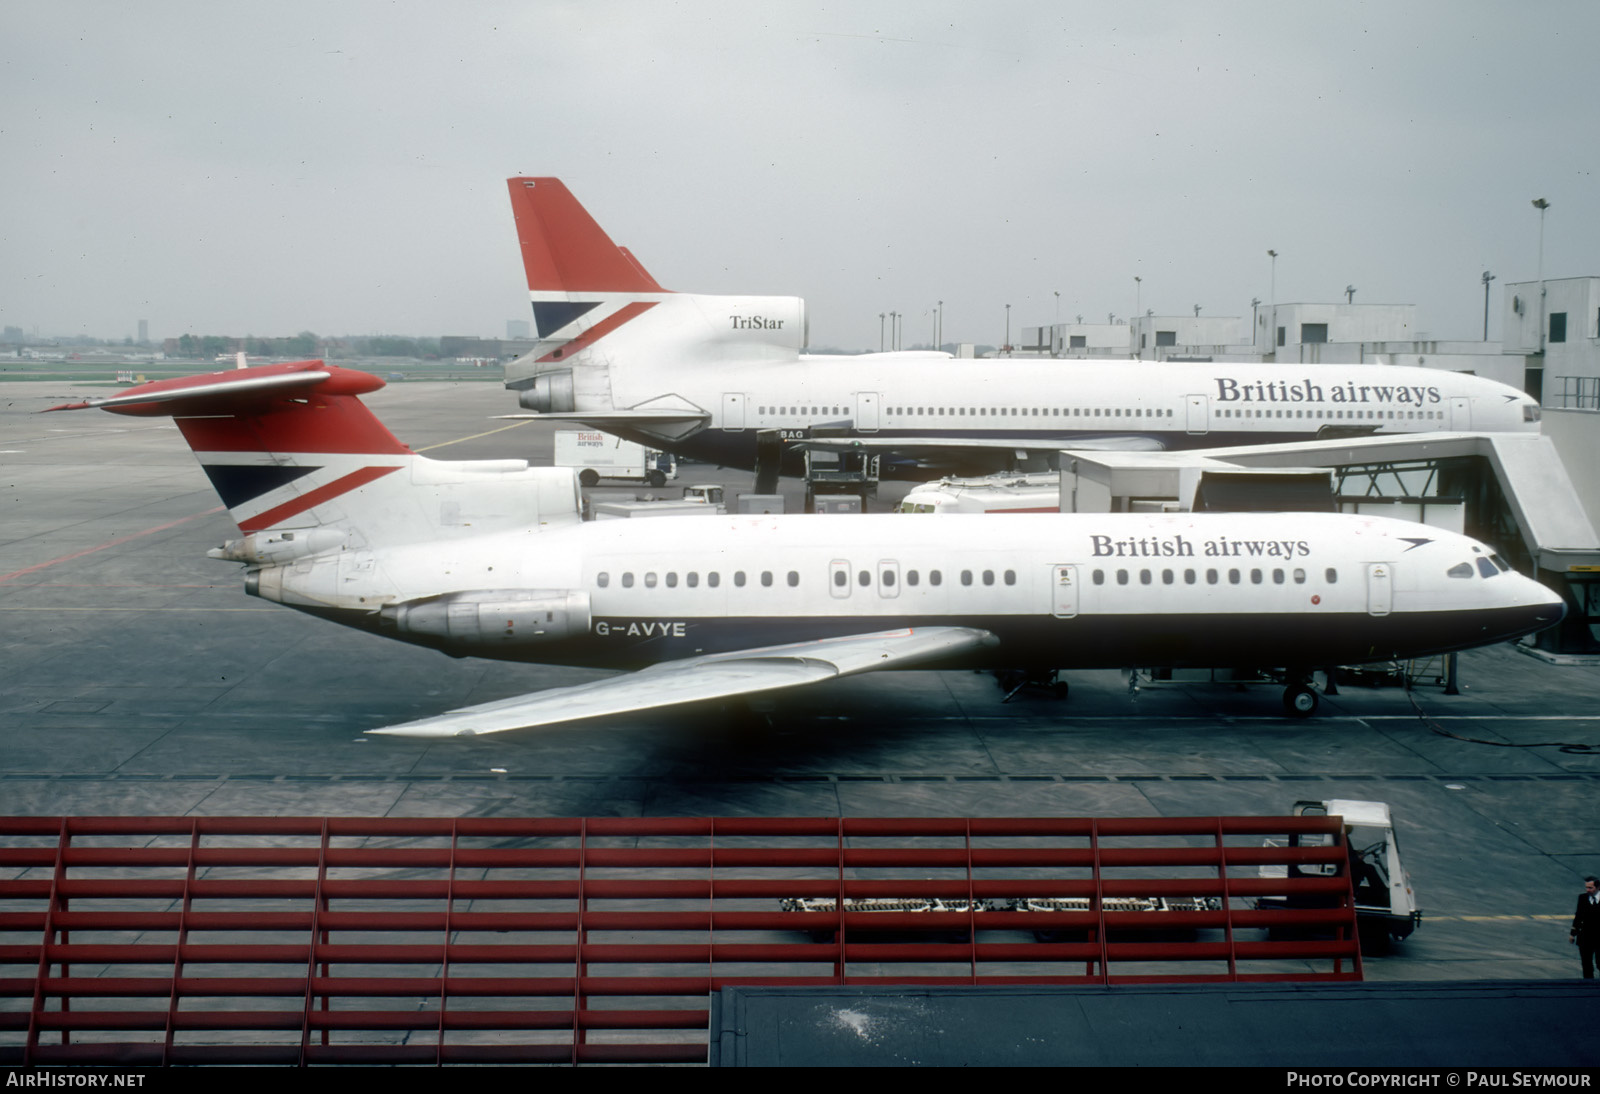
304 344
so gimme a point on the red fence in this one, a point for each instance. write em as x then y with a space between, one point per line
195 940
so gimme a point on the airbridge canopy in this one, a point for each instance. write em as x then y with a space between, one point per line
1549 515
319 940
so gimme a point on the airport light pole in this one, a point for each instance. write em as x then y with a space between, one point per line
1487 277
938 327
1541 205
1007 347
1138 312
1272 330
881 318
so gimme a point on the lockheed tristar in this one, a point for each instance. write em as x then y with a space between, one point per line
703 376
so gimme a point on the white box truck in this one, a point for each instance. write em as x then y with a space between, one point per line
599 456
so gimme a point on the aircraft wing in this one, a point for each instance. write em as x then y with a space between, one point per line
925 447
711 676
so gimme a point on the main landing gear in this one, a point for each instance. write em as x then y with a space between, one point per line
1012 681
1299 697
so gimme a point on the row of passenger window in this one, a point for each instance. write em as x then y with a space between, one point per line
1337 415
691 579
802 411
1027 412
841 578
914 577
1214 577
974 412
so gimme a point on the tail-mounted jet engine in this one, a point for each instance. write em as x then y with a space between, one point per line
551 393
474 622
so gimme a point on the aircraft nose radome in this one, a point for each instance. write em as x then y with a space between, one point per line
1554 602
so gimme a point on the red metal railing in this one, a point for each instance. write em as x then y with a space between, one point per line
190 940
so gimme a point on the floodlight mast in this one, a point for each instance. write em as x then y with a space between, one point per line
1487 277
1542 205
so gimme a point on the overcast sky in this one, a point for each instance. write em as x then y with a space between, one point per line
268 168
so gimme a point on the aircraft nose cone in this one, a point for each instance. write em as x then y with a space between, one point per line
1549 606
1555 606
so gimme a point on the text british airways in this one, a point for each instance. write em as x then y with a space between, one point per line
1305 391
1179 547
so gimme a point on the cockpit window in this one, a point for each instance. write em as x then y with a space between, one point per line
1460 569
1486 568
1530 412
1500 562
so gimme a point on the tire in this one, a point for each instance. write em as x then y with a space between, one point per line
588 477
1300 701
656 480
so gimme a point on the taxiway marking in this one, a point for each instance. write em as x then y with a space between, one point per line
473 437
109 544
118 609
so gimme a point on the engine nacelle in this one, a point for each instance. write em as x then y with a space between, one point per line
551 393
491 619
275 548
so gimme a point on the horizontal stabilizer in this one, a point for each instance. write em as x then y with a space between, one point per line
236 385
713 676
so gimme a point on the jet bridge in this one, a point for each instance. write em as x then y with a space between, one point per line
1511 490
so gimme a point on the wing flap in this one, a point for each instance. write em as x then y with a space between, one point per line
712 676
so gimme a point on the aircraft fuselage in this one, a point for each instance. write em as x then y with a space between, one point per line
1056 591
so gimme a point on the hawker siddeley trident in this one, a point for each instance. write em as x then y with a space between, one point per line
703 375
488 558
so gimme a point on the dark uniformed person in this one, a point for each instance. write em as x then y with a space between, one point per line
1586 925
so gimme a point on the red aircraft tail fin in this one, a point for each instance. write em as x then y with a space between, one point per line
564 250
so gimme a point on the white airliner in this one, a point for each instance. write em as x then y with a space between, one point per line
702 375
488 559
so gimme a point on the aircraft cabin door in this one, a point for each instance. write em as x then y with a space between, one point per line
733 410
867 411
1064 591
1380 588
1197 413
1460 414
